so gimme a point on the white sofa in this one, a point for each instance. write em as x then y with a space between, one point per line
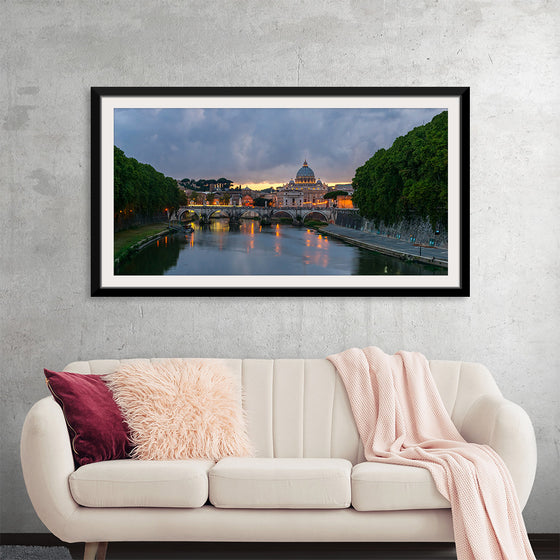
308 482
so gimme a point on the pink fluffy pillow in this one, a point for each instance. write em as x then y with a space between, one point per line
181 409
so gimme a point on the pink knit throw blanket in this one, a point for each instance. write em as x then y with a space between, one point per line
401 420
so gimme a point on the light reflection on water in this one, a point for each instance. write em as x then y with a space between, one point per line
255 250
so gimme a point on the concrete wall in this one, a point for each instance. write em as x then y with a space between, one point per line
507 52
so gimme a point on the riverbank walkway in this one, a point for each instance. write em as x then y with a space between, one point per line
391 246
128 241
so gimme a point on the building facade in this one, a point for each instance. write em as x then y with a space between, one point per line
305 190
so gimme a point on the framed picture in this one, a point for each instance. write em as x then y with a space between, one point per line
280 191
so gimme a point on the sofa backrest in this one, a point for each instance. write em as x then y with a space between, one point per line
299 407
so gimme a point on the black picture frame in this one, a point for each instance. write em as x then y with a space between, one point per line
105 283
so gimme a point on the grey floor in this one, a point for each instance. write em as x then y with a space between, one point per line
544 550
272 551
545 546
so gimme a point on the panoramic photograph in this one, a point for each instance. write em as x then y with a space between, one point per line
280 191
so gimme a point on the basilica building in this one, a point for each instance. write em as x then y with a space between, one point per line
305 190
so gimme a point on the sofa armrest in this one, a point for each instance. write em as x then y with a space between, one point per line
47 461
506 428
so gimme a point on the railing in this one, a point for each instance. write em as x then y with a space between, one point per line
260 208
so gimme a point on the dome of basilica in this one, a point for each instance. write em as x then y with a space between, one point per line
305 171
306 186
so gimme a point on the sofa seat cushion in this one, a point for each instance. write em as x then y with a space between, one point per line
382 487
237 482
136 483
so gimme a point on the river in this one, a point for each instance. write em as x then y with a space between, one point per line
280 249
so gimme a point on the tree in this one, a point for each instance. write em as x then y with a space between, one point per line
223 181
210 197
139 188
183 198
408 179
334 194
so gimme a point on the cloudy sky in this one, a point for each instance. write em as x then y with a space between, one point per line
261 146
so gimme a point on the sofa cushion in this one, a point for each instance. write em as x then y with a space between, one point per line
382 486
95 424
237 482
181 409
136 483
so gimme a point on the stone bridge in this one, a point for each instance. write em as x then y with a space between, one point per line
298 214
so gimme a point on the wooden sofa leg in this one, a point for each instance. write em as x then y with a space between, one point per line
90 551
101 550
95 551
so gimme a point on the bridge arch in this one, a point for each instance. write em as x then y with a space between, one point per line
219 213
187 210
237 212
318 212
252 211
282 214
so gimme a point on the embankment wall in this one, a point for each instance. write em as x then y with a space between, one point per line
418 228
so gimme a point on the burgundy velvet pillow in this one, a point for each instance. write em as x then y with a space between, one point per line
97 429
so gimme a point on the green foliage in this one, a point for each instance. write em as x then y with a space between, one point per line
225 198
125 240
225 182
197 198
205 184
409 179
334 194
139 188
314 223
183 198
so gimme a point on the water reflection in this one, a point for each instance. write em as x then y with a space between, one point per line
253 250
